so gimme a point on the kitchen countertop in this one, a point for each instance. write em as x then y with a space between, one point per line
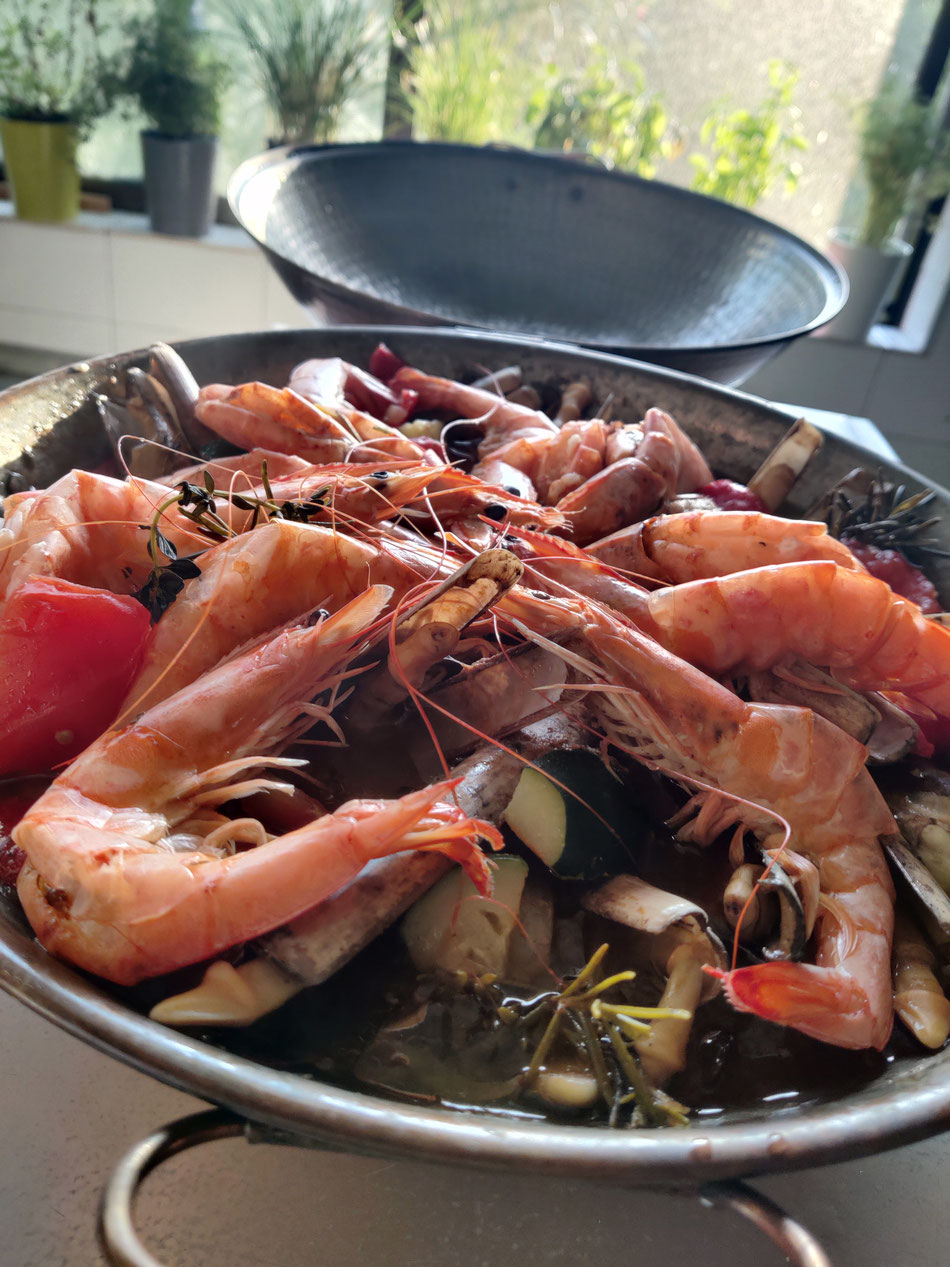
69 1113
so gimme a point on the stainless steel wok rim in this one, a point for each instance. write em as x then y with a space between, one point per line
359 1122
881 1116
835 279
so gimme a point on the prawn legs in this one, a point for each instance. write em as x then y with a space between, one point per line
131 873
764 767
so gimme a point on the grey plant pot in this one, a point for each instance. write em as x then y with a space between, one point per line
179 183
872 274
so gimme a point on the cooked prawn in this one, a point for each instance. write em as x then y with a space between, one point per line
698 544
772 764
255 416
88 529
249 585
337 384
502 422
645 464
124 873
834 617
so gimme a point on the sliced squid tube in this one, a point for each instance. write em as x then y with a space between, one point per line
918 998
680 943
774 478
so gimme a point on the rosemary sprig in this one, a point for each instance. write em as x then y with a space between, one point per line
874 511
581 1016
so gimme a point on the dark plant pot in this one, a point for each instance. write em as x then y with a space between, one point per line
179 177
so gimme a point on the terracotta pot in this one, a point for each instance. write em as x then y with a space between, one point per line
40 162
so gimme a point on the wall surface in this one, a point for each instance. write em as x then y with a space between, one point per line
104 283
906 394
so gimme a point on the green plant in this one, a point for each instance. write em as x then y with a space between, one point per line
462 82
59 59
752 150
905 158
310 57
174 72
597 114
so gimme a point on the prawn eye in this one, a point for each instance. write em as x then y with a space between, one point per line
513 491
379 475
495 511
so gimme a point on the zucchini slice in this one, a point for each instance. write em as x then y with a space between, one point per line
452 929
575 841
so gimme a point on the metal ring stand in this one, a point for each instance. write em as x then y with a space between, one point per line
122 1246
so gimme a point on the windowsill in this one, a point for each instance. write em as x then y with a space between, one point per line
135 225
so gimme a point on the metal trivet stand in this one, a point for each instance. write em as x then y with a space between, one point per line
123 1248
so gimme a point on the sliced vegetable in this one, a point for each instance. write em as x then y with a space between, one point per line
308 950
67 657
529 950
773 481
455 930
574 815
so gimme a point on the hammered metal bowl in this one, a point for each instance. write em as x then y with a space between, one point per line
532 244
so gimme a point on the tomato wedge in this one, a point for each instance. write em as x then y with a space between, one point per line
67 657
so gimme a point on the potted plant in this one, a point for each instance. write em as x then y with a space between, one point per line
56 78
177 79
606 112
905 162
310 56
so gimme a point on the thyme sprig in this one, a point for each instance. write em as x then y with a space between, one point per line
600 1034
169 573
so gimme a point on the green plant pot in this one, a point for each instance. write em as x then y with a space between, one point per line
40 162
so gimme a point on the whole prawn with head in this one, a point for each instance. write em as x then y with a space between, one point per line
131 870
777 770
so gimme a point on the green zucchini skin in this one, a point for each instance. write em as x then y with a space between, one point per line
587 832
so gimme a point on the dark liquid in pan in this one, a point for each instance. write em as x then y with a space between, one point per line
736 1063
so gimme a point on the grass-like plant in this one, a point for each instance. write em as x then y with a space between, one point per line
905 159
174 73
462 81
59 59
750 151
310 57
604 111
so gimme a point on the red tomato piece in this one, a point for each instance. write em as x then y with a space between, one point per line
67 657
731 496
384 363
898 572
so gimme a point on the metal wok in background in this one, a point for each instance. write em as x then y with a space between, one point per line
46 426
535 245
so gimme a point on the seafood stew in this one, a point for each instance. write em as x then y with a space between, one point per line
543 619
